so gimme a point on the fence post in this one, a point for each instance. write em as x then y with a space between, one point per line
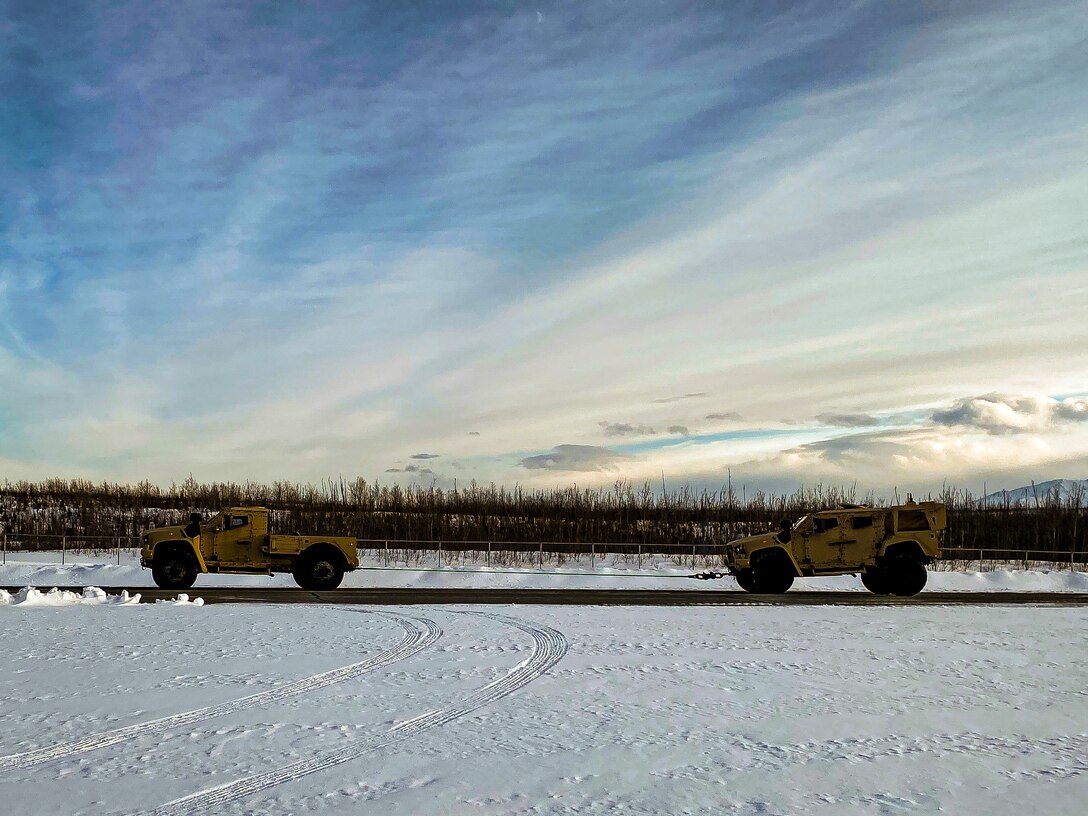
489 553
5 548
693 555
593 555
387 552
63 543
118 543
440 553
980 559
640 555
540 562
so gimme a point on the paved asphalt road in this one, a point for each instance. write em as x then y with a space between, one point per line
589 597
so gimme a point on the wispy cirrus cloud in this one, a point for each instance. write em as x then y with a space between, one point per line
576 458
731 416
626 429
848 420
682 397
261 241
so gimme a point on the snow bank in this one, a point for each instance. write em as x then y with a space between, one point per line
182 600
91 596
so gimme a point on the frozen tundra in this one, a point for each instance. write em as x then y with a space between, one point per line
238 540
889 546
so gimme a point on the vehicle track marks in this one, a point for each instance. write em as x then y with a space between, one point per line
549 647
419 634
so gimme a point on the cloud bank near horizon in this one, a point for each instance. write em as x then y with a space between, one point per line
843 242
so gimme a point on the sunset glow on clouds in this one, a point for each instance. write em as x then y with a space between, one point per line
549 243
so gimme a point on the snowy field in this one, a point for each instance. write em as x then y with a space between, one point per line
43 569
182 709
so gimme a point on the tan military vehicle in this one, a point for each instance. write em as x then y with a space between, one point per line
889 546
238 540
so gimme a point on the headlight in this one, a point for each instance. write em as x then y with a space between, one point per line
147 538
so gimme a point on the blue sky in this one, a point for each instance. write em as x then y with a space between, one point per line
544 242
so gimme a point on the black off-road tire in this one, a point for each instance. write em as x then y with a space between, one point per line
876 581
745 581
906 576
772 572
318 571
173 568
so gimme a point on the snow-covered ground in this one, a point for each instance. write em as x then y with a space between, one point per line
45 570
543 710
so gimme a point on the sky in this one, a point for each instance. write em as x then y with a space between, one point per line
550 243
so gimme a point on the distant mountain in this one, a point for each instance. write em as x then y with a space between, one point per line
1063 489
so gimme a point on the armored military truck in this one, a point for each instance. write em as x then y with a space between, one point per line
238 540
889 547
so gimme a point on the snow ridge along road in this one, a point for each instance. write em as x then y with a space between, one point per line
549 647
419 634
475 596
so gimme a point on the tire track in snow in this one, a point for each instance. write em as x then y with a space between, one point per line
549 647
419 634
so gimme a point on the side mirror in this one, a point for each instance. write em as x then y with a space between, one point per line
785 532
192 529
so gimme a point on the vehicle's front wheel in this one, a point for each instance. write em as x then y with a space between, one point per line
173 568
745 581
876 581
906 576
772 572
318 572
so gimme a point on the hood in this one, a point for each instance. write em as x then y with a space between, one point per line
748 542
162 533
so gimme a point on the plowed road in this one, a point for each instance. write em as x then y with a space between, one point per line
587 597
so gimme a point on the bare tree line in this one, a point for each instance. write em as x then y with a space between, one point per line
623 513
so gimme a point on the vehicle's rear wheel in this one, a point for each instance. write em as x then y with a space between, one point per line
173 567
319 571
772 572
906 576
745 581
876 581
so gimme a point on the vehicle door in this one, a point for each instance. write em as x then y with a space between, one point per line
862 533
234 542
209 532
823 542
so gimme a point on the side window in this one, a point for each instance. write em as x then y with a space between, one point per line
857 522
822 525
912 520
234 522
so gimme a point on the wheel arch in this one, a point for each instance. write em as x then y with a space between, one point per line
909 549
324 549
777 551
181 544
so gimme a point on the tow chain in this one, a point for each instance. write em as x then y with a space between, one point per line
709 576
